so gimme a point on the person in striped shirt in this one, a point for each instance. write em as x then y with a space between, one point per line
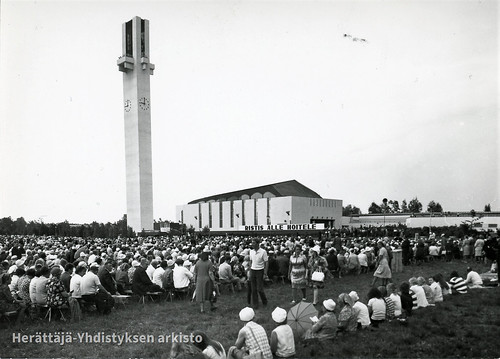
457 283
389 304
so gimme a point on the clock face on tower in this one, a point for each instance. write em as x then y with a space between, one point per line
128 105
144 103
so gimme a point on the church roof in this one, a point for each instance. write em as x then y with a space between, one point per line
280 189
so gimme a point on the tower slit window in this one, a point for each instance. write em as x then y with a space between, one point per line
143 38
129 48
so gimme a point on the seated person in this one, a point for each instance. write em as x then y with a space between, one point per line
429 293
168 276
92 291
76 281
396 299
282 339
252 338
473 279
361 311
141 284
326 326
376 306
348 321
57 296
122 279
41 286
106 276
419 292
182 276
226 273
7 302
210 348
457 283
406 300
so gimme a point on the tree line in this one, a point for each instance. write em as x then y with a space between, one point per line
20 226
393 206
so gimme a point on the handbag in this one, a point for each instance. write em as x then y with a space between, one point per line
256 354
318 276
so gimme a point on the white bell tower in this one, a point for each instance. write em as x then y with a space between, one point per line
136 68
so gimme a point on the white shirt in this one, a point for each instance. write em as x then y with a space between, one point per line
149 271
396 299
90 283
75 286
362 313
363 260
474 279
157 276
378 308
33 289
258 259
433 250
286 341
437 291
182 276
421 299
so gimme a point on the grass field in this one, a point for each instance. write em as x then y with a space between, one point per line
463 326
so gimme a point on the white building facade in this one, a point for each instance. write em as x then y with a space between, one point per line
281 206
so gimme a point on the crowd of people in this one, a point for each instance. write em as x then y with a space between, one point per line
65 271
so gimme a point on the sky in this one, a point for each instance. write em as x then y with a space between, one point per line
249 93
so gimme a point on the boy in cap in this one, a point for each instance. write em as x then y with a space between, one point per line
252 338
282 340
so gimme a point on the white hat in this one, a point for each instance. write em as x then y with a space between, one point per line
316 249
279 315
94 265
354 296
20 262
246 314
135 264
329 304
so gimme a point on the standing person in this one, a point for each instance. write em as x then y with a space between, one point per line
478 249
282 340
383 271
258 271
405 246
297 272
318 264
204 279
252 338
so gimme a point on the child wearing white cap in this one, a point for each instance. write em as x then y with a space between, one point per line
282 340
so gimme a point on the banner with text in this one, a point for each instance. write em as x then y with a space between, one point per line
284 227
